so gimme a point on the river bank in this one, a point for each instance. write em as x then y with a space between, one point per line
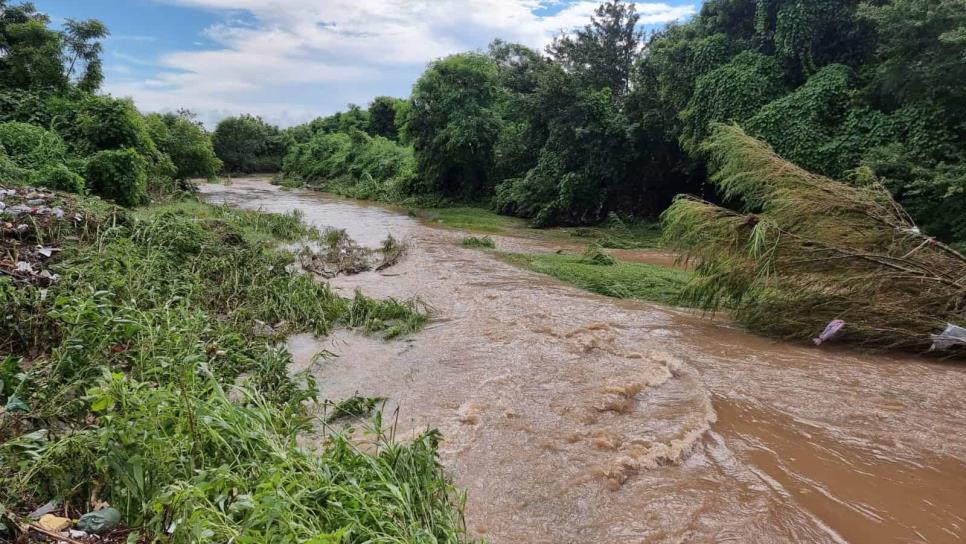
571 417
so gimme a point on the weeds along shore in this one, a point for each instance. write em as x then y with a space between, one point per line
145 369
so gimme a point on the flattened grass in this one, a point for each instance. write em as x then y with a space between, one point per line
639 281
151 377
470 219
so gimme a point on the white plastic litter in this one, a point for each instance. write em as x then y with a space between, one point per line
952 336
831 330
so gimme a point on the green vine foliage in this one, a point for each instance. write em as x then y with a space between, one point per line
731 93
797 124
31 146
119 174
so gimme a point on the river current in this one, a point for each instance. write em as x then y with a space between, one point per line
570 417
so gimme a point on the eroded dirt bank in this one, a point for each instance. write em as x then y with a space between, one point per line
571 417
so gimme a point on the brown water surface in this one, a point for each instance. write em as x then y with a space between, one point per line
574 418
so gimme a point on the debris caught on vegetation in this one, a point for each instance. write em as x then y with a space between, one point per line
46 508
484 242
596 255
953 335
831 330
392 251
341 255
354 406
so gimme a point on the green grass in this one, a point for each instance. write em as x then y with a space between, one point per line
470 219
621 280
354 406
141 378
485 242
620 234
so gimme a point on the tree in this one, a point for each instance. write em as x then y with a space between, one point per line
603 52
83 48
247 144
382 117
30 53
184 139
454 125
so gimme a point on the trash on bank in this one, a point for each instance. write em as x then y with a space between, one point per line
831 330
951 336
52 523
99 522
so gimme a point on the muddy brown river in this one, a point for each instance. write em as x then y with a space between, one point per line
570 417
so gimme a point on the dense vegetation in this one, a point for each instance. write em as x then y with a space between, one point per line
55 131
141 358
606 120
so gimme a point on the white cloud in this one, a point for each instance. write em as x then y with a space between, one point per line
295 59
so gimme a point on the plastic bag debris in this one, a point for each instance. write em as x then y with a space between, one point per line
52 523
47 508
16 404
951 336
831 330
46 251
100 521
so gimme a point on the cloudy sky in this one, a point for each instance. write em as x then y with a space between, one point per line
293 60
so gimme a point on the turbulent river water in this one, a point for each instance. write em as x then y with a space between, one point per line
575 418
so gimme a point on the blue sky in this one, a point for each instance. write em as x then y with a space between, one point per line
293 60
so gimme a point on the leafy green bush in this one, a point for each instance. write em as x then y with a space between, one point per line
185 141
797 124
103 123
353 164
119 175
30 146
58 176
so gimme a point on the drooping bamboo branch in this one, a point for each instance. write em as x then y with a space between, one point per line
806 249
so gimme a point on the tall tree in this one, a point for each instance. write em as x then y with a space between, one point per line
83 52
454 125
382 117
30 53
248 144
603 52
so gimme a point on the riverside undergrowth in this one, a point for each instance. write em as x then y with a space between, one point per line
151 376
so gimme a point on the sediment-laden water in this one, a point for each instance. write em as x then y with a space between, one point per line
575 418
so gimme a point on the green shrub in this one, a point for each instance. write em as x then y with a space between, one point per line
185 141
30 146
58 176
119 175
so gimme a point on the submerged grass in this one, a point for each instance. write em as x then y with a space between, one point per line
617 233
470 219
150 377
354 406
485 242
611 278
